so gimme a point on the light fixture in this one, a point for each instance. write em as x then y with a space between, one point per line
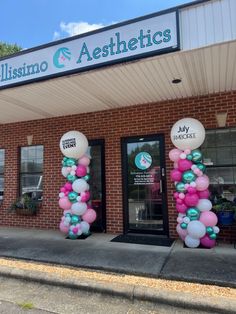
221 119
176 81
29 139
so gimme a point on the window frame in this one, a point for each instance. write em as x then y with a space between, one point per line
3 173
220 165
20 173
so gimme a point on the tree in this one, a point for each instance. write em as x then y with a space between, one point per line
8 49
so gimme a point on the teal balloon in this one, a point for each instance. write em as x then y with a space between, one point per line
188 176
72 196
87 177
68 215
201 167
193 213
71 178
180 187
70 162
197 155
209 230
183 225
189 157
72 236
213 236
74 219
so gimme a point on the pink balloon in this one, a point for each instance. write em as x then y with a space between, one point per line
84 161
208 218
181 232
202 183
204 194
81 171
75 230
191 199
176 195
207 242
179 201
63 190
181 208
191 190
174 154
85 196
63 228
89 216
176 175
184 164
68 187
64 203
176 165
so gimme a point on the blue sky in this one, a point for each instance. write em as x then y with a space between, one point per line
30 23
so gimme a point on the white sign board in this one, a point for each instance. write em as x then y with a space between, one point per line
136 39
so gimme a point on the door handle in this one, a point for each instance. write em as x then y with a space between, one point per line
161 187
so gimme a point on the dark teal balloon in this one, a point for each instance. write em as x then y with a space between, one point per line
202 167
197 155
193 213
180 187
188 176
74 219
72 196
68 215
189 157
71 178
213 236
87 177
70 162
183 225
209 230
72 236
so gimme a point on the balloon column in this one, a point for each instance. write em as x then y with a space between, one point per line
74 195
196 222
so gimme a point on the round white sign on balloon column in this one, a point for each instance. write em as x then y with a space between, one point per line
73 144
187 133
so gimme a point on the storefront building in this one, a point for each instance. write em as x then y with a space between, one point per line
118 87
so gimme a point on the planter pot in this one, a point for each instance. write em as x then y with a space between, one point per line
225 217
25 212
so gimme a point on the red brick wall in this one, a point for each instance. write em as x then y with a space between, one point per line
110 125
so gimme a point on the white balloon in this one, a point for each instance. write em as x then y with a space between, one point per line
191 242
187 133
78 208
204 205
186 220
80 185
196 229
216 229
64 171
84 226
73 144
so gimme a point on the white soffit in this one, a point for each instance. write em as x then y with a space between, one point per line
203 71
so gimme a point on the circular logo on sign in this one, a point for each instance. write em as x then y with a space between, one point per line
143 160
61 57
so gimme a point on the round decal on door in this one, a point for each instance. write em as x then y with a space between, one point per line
143 160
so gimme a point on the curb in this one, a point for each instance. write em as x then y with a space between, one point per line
129 292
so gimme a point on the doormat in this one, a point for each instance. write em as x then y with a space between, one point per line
143 239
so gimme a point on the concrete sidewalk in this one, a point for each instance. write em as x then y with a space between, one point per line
215 266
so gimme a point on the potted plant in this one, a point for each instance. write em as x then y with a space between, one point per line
226 211
24 205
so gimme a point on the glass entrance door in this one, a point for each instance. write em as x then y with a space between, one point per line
97 183
144 185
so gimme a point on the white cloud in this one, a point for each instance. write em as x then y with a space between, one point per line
74 28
